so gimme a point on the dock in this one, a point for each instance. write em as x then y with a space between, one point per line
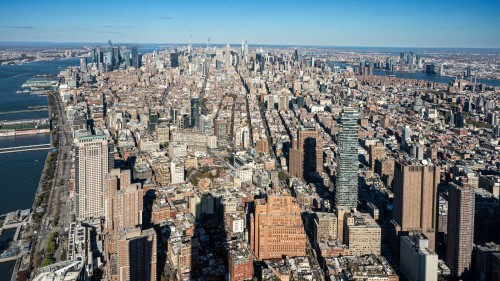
25 148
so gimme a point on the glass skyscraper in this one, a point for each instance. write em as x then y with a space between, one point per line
346 187
195 112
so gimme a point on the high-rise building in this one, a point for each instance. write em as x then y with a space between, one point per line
346 185
418 262
91 167
415 200
135 57
306 155
276 228
137 254
174 60
460 228
221 131
195 112
123 200
116 57
109 56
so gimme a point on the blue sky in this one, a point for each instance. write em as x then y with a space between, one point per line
420 23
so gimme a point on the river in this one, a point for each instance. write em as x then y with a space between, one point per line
422 76
20 172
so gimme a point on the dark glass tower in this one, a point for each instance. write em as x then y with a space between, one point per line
135 57
195 112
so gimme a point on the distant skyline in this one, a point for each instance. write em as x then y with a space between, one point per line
452 24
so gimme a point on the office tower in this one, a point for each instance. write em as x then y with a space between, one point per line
195 112
362 234
276 228
174 60
135 57
91 167
346 185
377 151
306 155
460 228
325 226
137 254
418 262
116 57
96 56
415 200
153 120
458 120
109 56
83 64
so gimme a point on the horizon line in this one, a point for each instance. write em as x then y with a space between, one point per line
253 44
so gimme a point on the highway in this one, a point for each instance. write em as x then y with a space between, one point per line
59 194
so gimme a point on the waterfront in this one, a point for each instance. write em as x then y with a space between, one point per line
420 76
20 172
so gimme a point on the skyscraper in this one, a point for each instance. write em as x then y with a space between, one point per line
195 112
91 166
116 57
124 201
109 56
460 228
276 228
346 185
415 200
174 60
135 57
137 254
306 155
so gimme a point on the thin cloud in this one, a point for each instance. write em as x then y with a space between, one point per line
166 18
120 26
18 27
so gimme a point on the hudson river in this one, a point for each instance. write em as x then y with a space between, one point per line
20 172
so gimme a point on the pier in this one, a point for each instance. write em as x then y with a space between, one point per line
24 148
24 111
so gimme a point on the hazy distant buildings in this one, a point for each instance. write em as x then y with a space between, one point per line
91 167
